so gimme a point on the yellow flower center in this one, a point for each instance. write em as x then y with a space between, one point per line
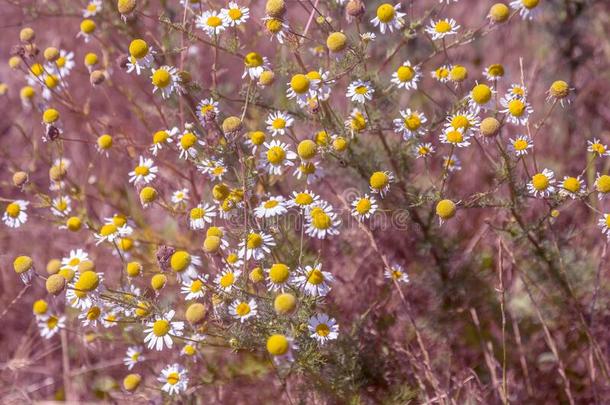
235 14
385 13
361 90
138 48
460 121
540 181
276 155
379 180
442 27
271 204
253 59
197 213
161 78
481 93
227 280
161 327
257 137
405 73
254 241
454 136
279 123
180 260
279 273
188 140
196 286
520 144
516 108
303 199
299 83
315 277
160 137
322 330
93 313
52 322
412 122
530 4
13 210
173 378
108 230
274 25
141 170
599 148
603 184
214 21
320 219
572 184
363 206
60 62
242 309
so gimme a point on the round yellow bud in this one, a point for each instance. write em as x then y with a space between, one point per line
74 224
277 345
231 124
158 281
307 149
340 144
51 54
489 126
148 195
284 304
256 275
21 264
50 115
132 381
67 273
211 244
499 12
336 42
458 73
88 281
20 178
27 34
195 313
90 59
133 269
266 78
275 8
87 26
445 209
220 191
40 307
104 142
138 48
559 89
14 62
53 266
55 284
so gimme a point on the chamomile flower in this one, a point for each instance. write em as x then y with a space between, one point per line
527 8
207 110
321 83
560 91
452 163
604 224
167 80
194 289
64 64
423 150
144 172
256 246
595 146
380 182
406 76
572 187
233 260
388 17
91 316
215 169
200 215
542 184
273 206
180 196
74 259
161 138
396 272
61 206
363 207
494 72
15 213
516 91
109 318
313 280
517 110
278 277
51 325
235 15
160 331
520 145
441 73
255 140
467 121
410 125
323 328
243 310
321 221
278 122
360 91
276 156
455 137
174 378
133 356
303 199
356 122
24 267
442 28
140 56
301 88
187 144
87 28
255 65
276 28
93 7
212 22
480 97
227 278
367 37
184 265
602 185
309 170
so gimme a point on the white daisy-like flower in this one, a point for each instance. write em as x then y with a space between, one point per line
15 213
61 206
313 280
310 170
467 121
493 72
276 28
187 144
161 138
174 378
74 259
442 28
368 37
388 17
194 289
481 98
255 65
356 122
200 215
215 169
64 64
227 278
542 184
520 145
278 122
93 7
410 125
273 206
144 172
279 277
160 331
527 8
323 83
602 186
256 246
91 316
167 80
595 146
380 182
51 325
516 91
133 356
406 76
243 310
206 109
572 187
360 91
517 110
212 22
180 196
441 73
323 328
276 156
185 265
235 15
303 199
302 88
396 272
604 224
109 318
363 207
455 137
452 163
141 56
321 221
